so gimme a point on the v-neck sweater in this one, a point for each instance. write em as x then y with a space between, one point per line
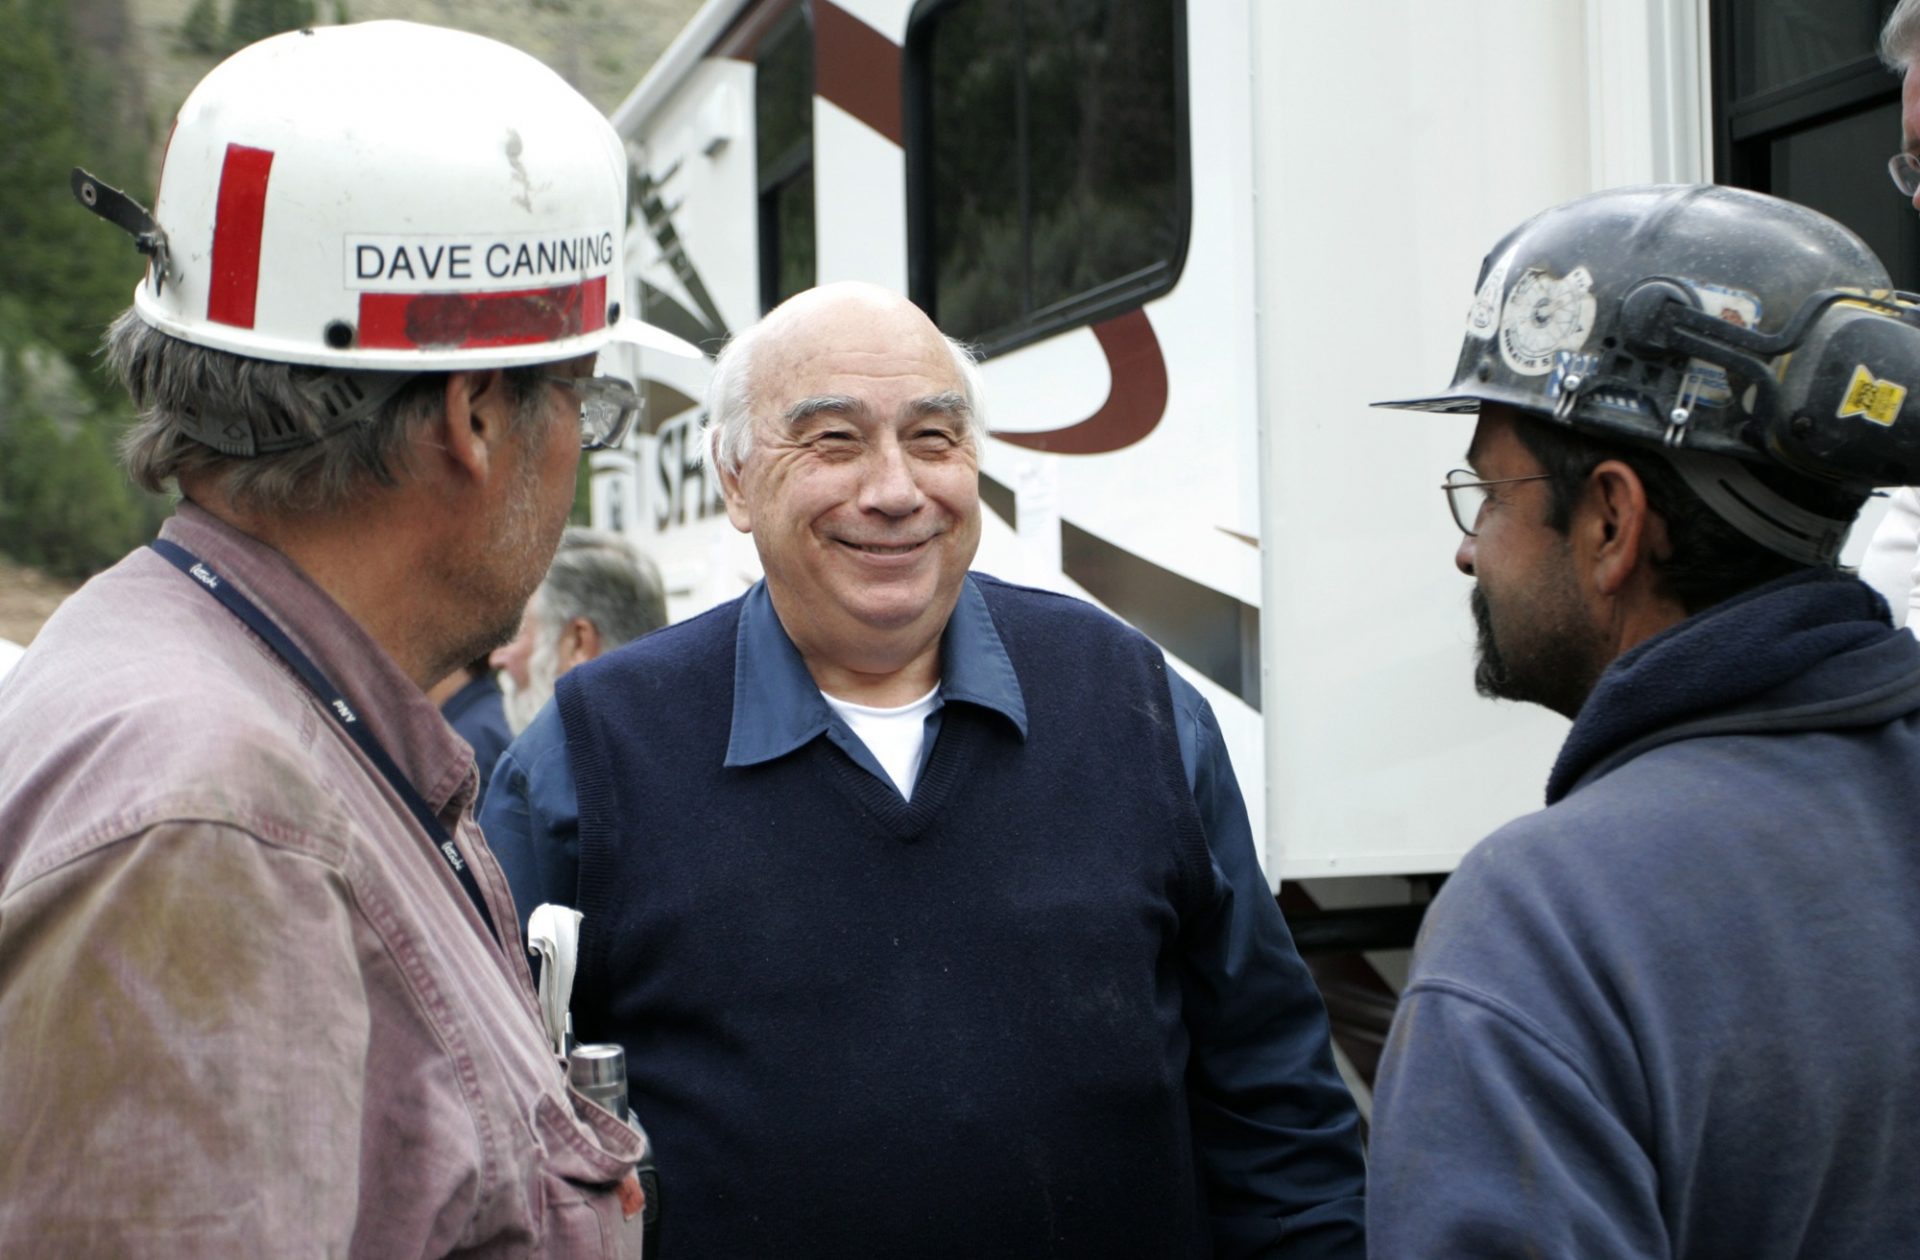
968 1005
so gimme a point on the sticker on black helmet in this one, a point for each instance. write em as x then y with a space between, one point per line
1872 398
1706 382
1545 314
1484 316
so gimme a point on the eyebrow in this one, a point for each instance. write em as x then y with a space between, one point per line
822 404
949 403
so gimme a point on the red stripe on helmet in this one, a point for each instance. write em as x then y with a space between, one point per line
237 221
439 321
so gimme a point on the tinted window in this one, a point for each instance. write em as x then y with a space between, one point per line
1805 110
783 130
1780 42
1837 167
1047 161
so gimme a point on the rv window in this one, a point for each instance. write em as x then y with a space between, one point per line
1046 157
1782 42
783 133
1803 109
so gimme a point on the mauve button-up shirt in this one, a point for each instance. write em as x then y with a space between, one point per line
245 1007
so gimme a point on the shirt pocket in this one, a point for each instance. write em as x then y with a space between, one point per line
585 1214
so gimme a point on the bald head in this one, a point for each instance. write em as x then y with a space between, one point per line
861 322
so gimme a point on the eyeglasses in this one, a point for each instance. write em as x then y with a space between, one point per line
608 407
1467 494
1905 169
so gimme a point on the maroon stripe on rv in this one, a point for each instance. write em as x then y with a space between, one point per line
459 321
1136 394
239 213
857 68
741 40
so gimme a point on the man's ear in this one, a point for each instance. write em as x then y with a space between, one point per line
1622 534
477 416
579 643
730 488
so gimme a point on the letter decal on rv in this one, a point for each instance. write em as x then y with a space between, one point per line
1136 394
858 69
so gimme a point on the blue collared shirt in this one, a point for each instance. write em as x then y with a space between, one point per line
476 715
1280 1135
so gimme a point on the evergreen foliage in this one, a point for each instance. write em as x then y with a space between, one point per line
251 20
64 274
200 29
73 272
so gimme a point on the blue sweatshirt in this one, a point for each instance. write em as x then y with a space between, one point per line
1673 1014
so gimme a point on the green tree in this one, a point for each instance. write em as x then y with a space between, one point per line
64 275
71 271
200 29
251 20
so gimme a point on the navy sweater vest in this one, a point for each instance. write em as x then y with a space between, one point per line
861 1027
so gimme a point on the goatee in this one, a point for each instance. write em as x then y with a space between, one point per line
1491 677
1554 660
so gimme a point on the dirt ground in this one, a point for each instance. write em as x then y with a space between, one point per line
27 598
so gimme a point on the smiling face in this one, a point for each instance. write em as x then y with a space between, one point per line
861 489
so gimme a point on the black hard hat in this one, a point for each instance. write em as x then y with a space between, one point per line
1708 322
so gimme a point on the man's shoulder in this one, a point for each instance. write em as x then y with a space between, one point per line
1036 607
675 665
703 633
196 725
1626 868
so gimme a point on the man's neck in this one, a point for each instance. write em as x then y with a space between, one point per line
365 563
883 689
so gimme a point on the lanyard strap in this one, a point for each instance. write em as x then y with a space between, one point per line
337 708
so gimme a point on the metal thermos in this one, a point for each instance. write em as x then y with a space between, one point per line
599 1072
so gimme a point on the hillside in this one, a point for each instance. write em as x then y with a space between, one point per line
27 598
602 47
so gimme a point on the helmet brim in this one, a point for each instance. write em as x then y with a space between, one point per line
1444 404
633 332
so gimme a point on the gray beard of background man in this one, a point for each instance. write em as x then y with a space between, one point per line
522 705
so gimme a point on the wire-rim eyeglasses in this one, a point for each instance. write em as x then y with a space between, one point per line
1467 495
608 408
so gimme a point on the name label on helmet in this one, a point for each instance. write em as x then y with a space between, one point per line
414 264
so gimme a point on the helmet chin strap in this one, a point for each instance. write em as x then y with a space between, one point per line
336 401
1742 500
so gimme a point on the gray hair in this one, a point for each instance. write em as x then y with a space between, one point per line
607 580
176 384
1900 37
728 433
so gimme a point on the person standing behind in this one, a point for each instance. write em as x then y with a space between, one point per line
1671 1014
1893 553
470 700
260 993
599 593
925 905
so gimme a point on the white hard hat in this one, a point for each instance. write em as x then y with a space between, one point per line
391 196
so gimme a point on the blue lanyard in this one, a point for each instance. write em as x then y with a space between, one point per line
337 708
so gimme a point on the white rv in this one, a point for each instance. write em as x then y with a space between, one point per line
1195 239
